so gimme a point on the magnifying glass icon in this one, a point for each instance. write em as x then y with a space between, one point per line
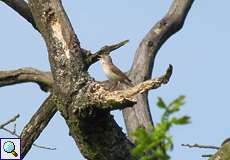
9 147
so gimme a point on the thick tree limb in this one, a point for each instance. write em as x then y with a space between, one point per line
119 99
91 121
65 54
96 133
104 99
37 124
141 69
22 75
94 130
21 7
92 58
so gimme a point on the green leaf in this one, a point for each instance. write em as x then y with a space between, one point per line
175 105
147 158
181 121
178 101
138 150
154 143
161 103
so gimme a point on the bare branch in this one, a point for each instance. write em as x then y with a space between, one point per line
92 58
121 98
200 146
11 132
9 121
206 155
21 7
2 126
223 152
15 126
147 50
43 147
37 124
143 63
22 75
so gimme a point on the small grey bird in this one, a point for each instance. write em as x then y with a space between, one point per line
112 72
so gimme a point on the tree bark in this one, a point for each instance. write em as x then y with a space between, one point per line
22 75
37 124
141 70
84 103
94 131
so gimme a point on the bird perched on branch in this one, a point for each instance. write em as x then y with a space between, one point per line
112 72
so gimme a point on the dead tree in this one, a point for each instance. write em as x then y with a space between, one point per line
84 103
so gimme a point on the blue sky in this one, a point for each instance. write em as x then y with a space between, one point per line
199 54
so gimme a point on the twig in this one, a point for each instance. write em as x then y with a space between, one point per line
11 132
107 49
200 146
15 126
206 155
43 147
2 126
92 58
9 121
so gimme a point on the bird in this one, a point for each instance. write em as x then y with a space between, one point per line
112 72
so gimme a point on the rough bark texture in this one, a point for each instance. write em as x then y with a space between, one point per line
37 124
22 75
95 132
84 103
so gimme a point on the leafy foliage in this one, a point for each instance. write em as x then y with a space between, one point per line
153 143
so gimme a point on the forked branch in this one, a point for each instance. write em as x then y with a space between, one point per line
14 133
9 121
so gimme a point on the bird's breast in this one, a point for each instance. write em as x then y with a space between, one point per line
109 74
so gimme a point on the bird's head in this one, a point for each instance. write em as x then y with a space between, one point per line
105 58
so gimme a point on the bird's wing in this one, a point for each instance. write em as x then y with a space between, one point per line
120 73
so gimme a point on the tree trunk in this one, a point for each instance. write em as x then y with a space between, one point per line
84 103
